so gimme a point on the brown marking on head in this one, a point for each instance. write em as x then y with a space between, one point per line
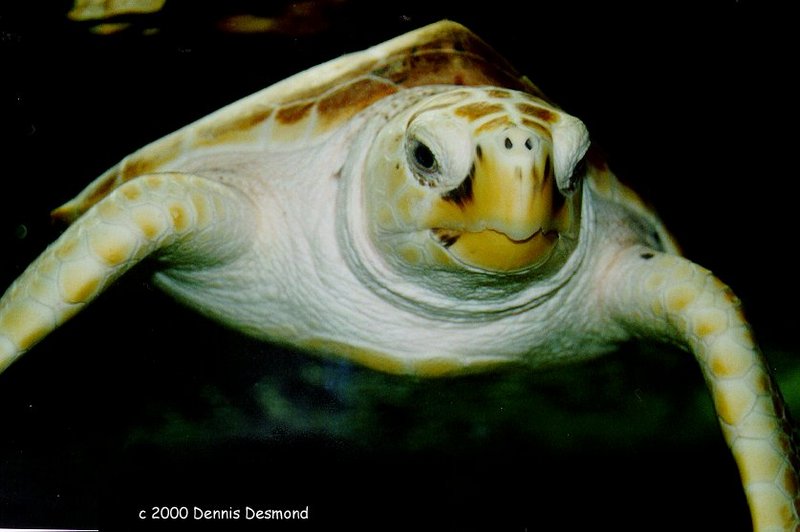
462 194
559 199
474 111
348 100
446 237
537 112
294 113
536 126
495 123
234 129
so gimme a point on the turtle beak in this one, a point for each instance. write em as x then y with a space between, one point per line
508 213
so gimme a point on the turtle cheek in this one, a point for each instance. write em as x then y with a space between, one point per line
396 210
394 200
417 251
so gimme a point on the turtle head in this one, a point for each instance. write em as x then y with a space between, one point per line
477 178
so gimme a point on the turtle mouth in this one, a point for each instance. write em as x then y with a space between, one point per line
448 237
496 251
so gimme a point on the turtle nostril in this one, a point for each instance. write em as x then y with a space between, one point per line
529 144
509 144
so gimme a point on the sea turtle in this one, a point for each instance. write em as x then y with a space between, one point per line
419 208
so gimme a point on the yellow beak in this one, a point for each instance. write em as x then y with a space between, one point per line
505 216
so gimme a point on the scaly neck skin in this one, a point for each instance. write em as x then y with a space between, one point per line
665 296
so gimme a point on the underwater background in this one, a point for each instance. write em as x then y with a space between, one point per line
138 403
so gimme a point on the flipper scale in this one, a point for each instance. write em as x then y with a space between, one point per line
176 216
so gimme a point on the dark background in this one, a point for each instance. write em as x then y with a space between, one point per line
139 403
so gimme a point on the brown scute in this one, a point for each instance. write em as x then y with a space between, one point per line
474 111
456 56
313 92
293 113
234 128
148 160
64 216
541 113
480 64
348 100
498 93
134 166
449 68
68 213
151 159
104 189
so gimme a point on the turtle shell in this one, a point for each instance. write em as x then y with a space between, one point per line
306 106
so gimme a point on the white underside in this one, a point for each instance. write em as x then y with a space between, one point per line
304 284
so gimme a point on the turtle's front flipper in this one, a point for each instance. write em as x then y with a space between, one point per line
666 296
180 217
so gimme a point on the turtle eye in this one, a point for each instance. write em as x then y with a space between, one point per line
423 156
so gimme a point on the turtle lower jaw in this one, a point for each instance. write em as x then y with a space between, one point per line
448 237
495 251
